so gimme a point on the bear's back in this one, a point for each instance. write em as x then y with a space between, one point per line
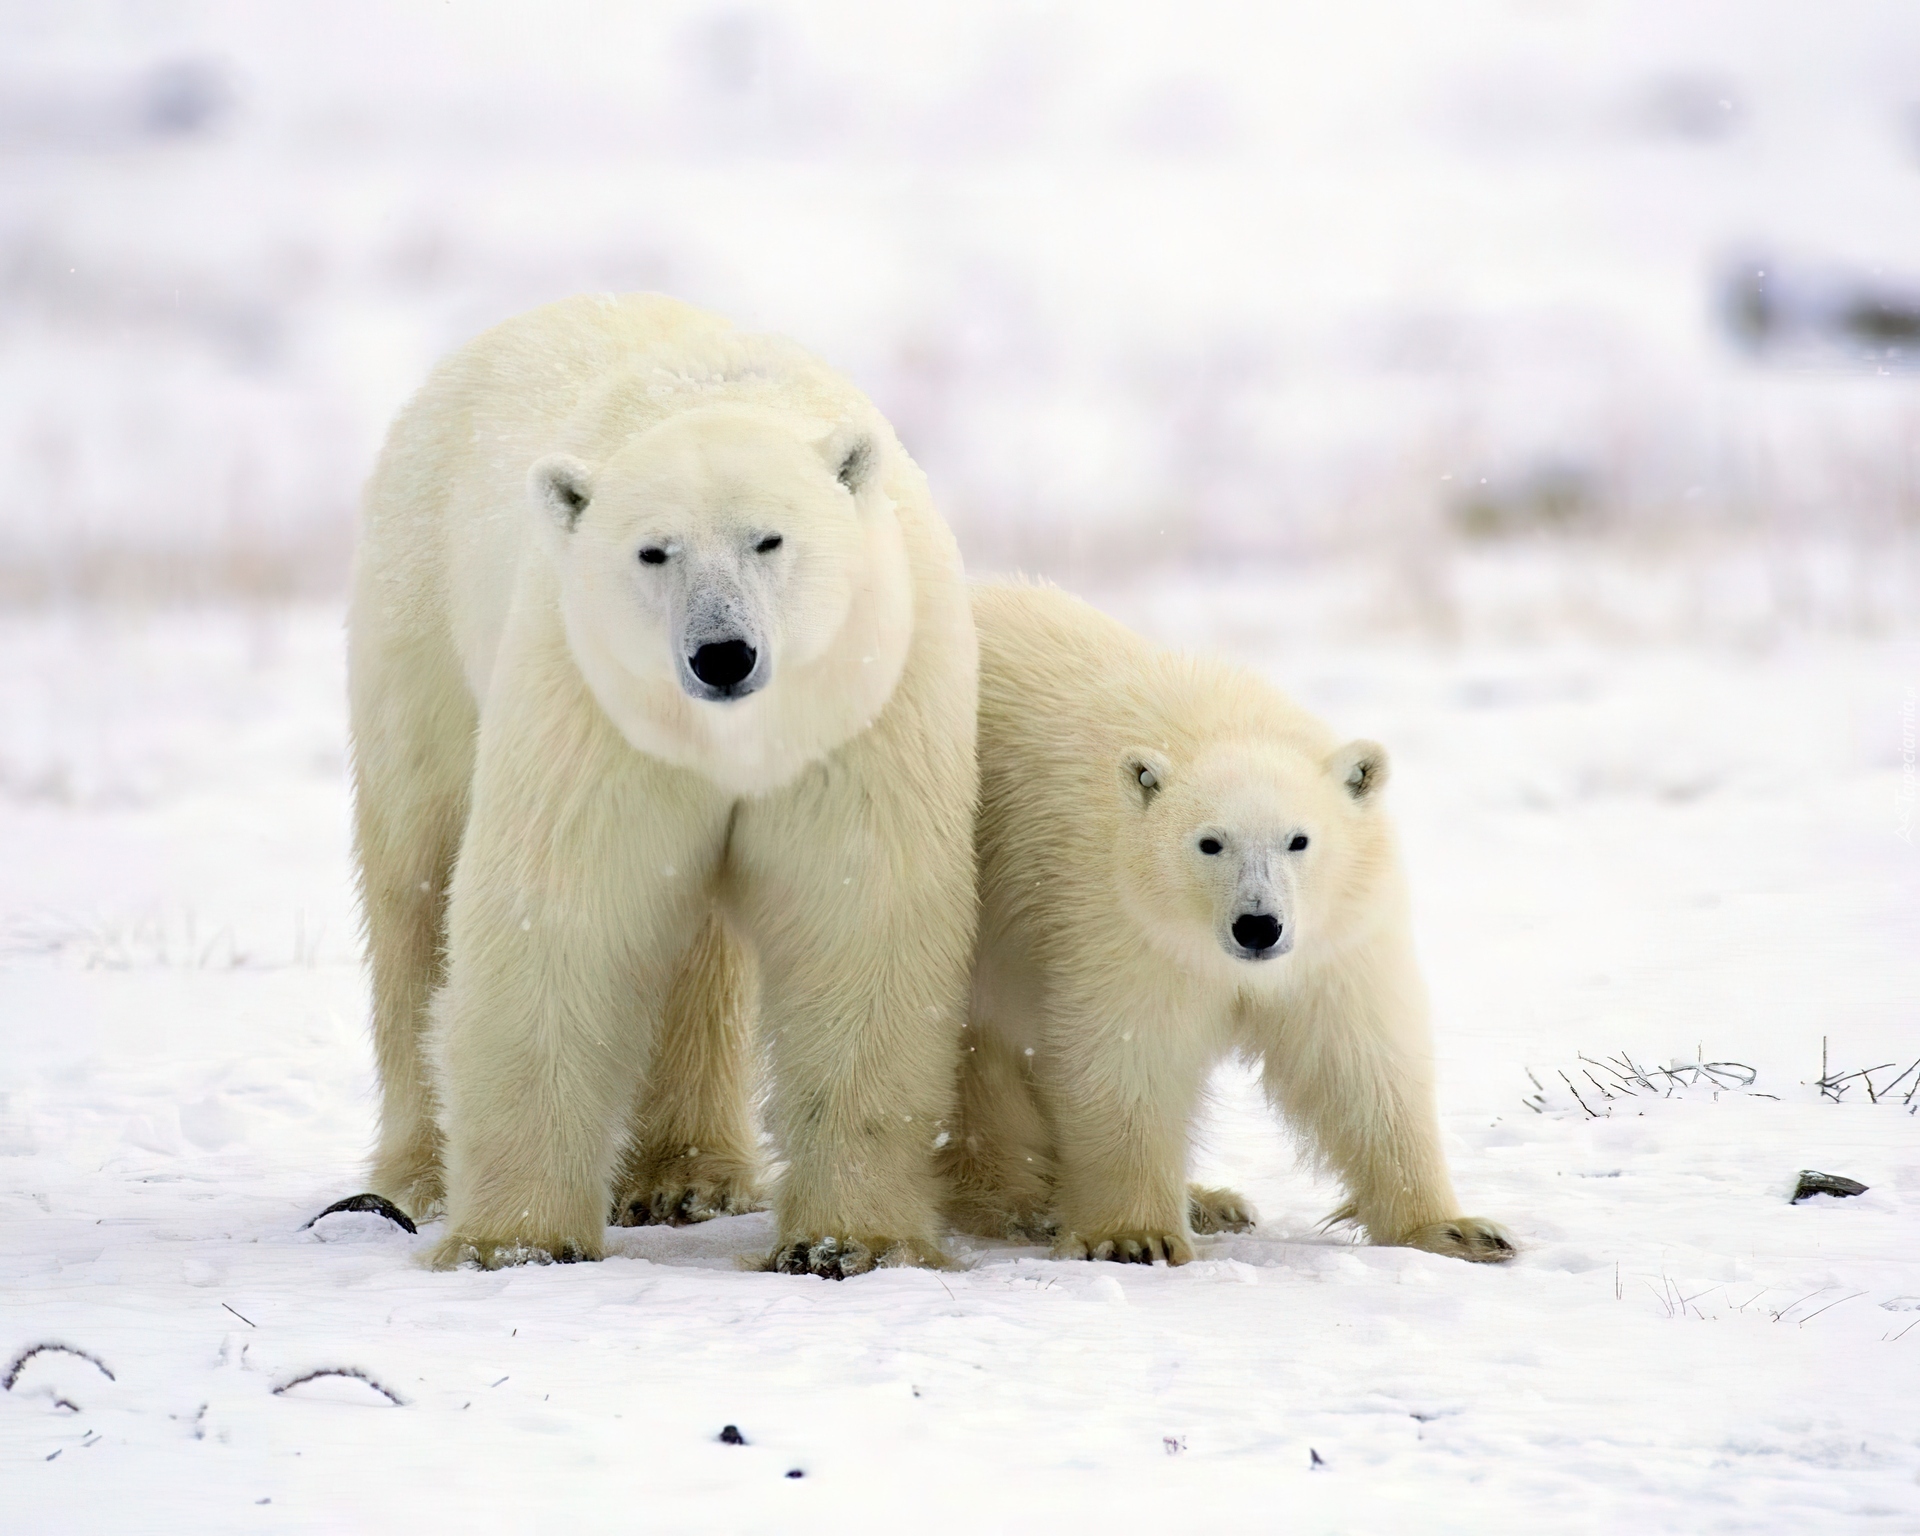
1061 683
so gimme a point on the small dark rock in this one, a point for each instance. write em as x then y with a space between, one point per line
731 1435
1812 1183
796 1472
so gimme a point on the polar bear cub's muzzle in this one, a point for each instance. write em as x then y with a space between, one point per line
1258 928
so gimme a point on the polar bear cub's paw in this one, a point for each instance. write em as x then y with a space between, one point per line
459 1252
1219 1210
689 1188
1125 1247
840 1258
1472 1238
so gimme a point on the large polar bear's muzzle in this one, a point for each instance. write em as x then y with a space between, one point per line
1260 935
722 655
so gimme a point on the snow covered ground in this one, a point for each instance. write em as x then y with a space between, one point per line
1385 346
1661 849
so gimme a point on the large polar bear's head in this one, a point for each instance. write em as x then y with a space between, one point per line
1250 852
735 586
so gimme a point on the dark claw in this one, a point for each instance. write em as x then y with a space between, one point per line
1456 1234
1501 1243
380 1205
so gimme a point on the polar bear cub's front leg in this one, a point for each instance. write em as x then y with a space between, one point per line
1349 1063
1119 1058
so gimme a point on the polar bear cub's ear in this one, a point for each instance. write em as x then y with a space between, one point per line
1361 768
561 486
1143 773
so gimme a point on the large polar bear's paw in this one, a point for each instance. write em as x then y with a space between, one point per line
1472 1238
1125 1247
1219 1210
840 1258
460 1252
688 1188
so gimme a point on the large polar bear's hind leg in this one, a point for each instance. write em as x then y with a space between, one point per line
857 889
1350 1065
999 1163
693 1152
413 727
567 919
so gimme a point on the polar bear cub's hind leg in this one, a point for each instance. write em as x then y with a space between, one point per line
1219 1210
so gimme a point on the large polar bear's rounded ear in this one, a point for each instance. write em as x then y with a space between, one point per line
1361 768
852 456
561 486
1143 772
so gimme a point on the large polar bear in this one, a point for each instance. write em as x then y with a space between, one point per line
1177 863
658 648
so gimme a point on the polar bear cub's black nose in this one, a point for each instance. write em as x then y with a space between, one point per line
1256 931
723 664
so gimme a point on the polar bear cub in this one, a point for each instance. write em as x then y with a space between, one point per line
660 660
1176 863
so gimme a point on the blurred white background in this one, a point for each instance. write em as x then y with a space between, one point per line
1503 315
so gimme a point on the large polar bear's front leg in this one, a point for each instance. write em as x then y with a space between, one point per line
1349 1062
585 872
413 726
856 884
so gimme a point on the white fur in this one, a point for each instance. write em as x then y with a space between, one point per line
1135 804
566 836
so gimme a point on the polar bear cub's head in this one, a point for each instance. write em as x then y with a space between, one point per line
734 586
1250 851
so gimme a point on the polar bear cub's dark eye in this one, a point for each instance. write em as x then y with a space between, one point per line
1299 842
653 555
1209 845
769 544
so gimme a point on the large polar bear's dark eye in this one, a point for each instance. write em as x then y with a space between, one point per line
653 555
769 544
1299 842
1209 845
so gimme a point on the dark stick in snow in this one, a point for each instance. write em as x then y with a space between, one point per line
352 1373
378 1204
20 1360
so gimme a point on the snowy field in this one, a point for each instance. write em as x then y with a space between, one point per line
1659 850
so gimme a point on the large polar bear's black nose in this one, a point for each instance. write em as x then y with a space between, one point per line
1256 931
723 664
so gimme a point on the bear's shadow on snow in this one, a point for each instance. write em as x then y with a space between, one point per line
726 1242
